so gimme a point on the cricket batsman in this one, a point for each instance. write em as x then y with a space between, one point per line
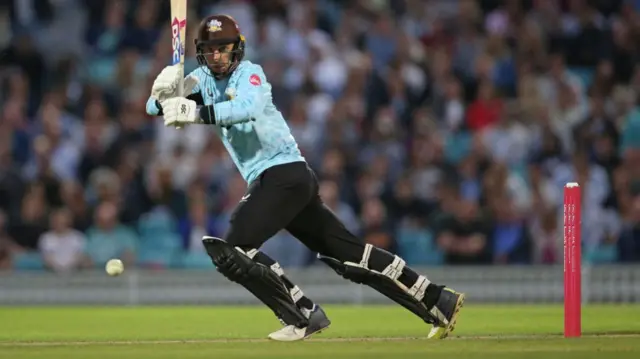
233 96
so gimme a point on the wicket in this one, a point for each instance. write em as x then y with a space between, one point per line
572 261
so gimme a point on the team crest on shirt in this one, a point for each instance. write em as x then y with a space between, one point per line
214 25
230 93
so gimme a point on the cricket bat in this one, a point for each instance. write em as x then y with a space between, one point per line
178 37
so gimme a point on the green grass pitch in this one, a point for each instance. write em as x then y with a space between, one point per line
483 331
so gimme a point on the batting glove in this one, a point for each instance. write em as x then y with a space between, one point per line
179 112
165 85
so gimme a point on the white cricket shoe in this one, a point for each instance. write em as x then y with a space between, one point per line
288 334
318 321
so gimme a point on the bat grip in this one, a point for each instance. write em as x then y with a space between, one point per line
181 82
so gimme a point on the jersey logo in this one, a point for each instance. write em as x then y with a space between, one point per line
255 80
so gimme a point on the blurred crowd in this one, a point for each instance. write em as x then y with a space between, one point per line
441 130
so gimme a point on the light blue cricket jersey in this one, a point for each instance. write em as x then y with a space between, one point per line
250 126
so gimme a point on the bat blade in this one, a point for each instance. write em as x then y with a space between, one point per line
178 36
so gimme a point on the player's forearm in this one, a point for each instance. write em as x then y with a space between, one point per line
153 107
209 116
237 111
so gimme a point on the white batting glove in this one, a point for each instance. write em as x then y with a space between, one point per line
179 112
189 84
166 83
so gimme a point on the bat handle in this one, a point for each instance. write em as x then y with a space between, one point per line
181 87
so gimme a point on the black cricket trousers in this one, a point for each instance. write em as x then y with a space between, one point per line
286 197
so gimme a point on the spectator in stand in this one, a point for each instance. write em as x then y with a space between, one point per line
446 127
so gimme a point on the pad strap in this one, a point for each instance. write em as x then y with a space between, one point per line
364 262
419 288
394 270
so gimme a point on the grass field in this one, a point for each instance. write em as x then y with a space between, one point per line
357 332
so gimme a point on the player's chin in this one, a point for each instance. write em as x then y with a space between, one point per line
219 69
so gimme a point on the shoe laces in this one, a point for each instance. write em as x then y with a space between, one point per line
290 329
